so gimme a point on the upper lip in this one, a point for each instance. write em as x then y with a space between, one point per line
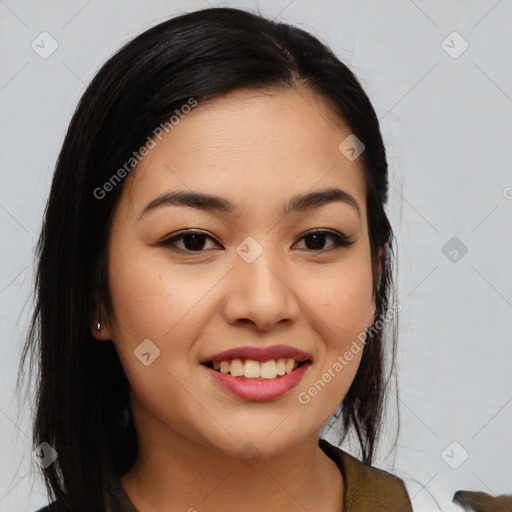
259 354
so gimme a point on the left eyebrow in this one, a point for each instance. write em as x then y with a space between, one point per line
298 203
302 202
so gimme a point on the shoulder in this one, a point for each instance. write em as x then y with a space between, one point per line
367 487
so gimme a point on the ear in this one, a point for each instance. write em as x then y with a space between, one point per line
104 332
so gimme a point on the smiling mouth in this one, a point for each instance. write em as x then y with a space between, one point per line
250 369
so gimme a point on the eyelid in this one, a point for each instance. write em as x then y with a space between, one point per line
328 231
167 241
340 239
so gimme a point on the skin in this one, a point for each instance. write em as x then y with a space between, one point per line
257 149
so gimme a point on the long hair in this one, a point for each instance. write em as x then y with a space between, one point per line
81 389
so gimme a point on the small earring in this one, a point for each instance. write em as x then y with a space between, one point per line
98 326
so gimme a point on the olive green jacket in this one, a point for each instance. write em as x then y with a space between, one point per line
367 489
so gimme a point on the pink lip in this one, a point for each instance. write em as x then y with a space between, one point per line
260 390
259 354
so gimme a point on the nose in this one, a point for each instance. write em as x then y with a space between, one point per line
261 293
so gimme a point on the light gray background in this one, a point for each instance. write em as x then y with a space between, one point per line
447 124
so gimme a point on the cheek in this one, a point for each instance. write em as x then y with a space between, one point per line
152 305
342 301
154 302
149 301
341 307
138 299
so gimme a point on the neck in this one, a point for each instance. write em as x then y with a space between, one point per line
173 470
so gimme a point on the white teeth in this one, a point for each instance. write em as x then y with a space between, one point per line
252 369
237 368
268 370
288 365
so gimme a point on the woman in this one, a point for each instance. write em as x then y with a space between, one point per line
194 335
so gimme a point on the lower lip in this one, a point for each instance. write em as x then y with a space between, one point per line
260 390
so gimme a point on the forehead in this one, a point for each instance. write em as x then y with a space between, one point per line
269 144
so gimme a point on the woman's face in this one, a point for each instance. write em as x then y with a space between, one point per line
253 279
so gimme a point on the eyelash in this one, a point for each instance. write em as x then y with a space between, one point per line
340 240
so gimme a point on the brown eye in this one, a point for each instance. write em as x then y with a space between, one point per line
315 240
192 241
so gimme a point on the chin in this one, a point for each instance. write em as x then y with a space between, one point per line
257 444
